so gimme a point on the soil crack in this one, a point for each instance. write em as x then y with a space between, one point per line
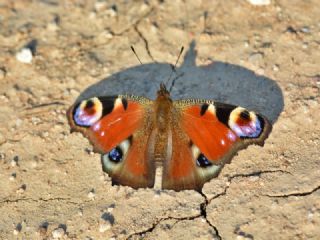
244 175
146 43
132 25
296 194
68 200
202 214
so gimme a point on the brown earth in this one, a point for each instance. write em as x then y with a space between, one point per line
262 57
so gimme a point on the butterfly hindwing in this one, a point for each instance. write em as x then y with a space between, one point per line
116 127
206 135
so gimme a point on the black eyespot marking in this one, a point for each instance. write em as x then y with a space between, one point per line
107 104
115 155
262 122
204 108
202 161
223 113
124 103
89 104
245 115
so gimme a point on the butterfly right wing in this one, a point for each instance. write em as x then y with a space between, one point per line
205 136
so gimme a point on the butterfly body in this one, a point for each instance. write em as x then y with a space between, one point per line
191 139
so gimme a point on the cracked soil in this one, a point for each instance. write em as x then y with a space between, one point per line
262 57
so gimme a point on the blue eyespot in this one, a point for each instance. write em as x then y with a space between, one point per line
202 161
251 130
115 155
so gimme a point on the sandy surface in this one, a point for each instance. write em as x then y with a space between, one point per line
265 58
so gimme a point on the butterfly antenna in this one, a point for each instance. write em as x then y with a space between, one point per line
174 68
134 52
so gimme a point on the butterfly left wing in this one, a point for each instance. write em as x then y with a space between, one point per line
205 136
118 127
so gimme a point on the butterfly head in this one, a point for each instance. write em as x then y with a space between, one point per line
163 92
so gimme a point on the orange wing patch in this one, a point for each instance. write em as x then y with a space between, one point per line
116 126
180 170
211 136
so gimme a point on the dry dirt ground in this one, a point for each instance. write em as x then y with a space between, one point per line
262 57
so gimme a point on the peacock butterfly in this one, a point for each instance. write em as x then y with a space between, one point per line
192 139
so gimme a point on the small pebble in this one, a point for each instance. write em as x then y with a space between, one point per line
99 6
44 134
3 73
18 122
275 68
43 230
254 178
54 24
35 120
58 233
80 213
111 12
22 189
255 58
305 29
110 209
259 2
13 177
13 163
24 55
91 195
104 227
260 71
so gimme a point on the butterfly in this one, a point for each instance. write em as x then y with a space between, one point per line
191 139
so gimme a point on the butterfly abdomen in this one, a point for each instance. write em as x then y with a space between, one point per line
162 132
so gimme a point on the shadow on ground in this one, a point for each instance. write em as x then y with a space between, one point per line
219 81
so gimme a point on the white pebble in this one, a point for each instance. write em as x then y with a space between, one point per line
13 163
44 134
99 6
254 178
111 12
91 195
24 55
275 68
22 189
110 209
19 122
260 71
58 233
259 2
256 58
104 227
35 120
13 177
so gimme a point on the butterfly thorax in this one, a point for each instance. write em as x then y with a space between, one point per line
163 107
